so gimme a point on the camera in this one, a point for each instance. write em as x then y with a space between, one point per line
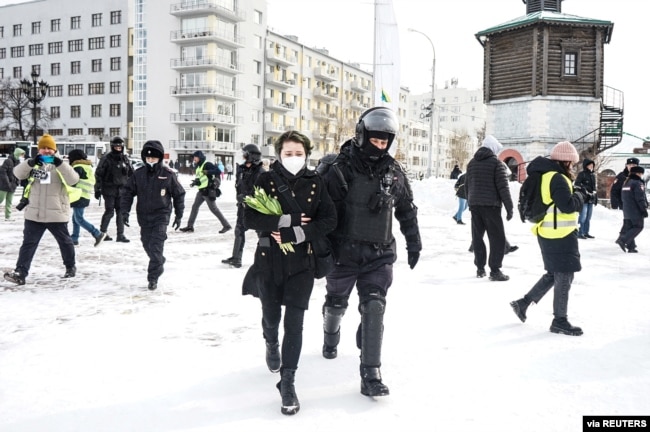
22 204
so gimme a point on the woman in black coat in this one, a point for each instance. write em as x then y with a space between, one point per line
557 236
287 278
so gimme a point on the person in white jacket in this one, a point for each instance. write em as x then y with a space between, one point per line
47 207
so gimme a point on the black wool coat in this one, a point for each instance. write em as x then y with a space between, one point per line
8 181
276 276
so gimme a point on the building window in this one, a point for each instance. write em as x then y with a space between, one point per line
257 91
116 17
36 49
2 73
258 67
75 131
75 45
95 110
116 110
75 22
75 111
55 69
75 67
257 17
96 65
37 69
18 29
96 88
36 27
55 112
258 42
2 32
96 131
97 20
56 132
96 43
3 53
570 67
75 90
18 51
55 91
115 41
55 25
116 63
115 87
55 47
114 131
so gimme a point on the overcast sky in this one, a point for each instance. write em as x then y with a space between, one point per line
345 28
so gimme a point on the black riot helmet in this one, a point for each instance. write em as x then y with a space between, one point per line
377 122
252 153
117 141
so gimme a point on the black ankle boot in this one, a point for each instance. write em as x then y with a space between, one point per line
520 306
371 384
563 326
290 403
273 359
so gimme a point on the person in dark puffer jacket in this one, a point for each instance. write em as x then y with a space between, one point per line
486 186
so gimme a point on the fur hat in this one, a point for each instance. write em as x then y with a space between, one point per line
637 170
47 141
493 144
18 152
565 151
76 155
631 161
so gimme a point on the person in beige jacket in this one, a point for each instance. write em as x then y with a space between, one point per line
47 207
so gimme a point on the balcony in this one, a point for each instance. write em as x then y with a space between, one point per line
275 128
319 93
325 74
219 91
324 115
214 146
206 118
282 59
271 104
221 63
277 81
201 7
358 106
207 35
358 86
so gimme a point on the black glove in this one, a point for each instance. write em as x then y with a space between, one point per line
296 219
509 215
413 258
57 161
177 223
645 213
287 235
98 194
195 182
125 219
32 162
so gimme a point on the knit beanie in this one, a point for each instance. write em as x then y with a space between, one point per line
493 144
47 141
76 155
565 151
18 152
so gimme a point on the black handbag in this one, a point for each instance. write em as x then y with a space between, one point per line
321 247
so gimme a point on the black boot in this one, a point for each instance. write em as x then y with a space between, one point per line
372 330
563 326
371 384
187 229
290 403
520 306
273 359
70 272
333 311
121 238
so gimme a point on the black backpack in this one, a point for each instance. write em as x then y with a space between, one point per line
531 207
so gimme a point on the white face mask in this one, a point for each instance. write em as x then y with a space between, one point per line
293 164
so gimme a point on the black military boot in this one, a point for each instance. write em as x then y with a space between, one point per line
273 359
187 229
70 272
333 311
290 403
520 306
563 326
371 384
372 331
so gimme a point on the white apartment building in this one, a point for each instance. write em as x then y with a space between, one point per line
81 49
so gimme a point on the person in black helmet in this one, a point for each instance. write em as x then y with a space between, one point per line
113 171
368 187
158 190
247 173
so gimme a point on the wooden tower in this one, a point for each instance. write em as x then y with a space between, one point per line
543 83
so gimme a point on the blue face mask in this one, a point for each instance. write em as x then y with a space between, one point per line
47 159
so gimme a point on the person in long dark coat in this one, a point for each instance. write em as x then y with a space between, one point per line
557 235
586 180
287 278
635 209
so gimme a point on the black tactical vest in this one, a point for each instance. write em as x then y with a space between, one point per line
368 211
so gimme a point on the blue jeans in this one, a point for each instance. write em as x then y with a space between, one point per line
462 206
78 222
585 218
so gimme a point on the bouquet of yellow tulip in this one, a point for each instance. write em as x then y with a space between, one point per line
266 204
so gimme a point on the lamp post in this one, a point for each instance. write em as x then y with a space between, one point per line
35 91
433 83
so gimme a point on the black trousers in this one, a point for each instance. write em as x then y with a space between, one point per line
153 240
32 234
112 205
488 219
293 324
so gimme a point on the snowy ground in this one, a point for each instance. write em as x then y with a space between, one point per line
101 353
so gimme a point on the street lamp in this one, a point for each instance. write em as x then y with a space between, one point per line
433 84
35 91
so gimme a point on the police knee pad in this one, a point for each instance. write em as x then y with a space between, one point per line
374 306
339 302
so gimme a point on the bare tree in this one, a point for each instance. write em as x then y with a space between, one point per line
461 148
19 111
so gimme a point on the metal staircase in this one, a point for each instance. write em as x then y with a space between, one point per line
610 131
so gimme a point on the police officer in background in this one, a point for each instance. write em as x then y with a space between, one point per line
113 171
247 173
367 186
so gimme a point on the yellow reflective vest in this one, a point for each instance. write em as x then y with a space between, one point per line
201 176
555 223
86 185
